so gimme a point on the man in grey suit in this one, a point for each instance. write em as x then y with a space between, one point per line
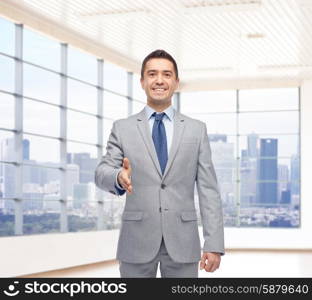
157 156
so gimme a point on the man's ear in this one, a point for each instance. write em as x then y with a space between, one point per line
177 84
141 81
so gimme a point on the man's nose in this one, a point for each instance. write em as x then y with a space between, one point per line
159 79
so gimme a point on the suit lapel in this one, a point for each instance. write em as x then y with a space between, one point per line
176 140
145 132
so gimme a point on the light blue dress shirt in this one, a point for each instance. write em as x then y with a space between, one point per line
168 123
167 120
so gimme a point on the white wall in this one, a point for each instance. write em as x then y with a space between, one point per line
23 255
38 253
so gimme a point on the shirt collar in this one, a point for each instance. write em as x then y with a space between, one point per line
169 112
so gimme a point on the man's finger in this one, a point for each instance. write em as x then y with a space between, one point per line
212 265
126 179
128 188
126 183
209 266
202 262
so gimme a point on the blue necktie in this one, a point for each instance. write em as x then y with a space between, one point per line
160 140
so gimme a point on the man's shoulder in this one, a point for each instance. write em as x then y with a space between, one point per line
192 121
126 121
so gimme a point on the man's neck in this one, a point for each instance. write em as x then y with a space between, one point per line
159 108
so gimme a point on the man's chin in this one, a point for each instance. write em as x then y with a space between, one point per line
160 101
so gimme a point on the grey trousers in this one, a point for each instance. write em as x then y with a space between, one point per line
168 268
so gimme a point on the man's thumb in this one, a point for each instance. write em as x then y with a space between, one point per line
126 163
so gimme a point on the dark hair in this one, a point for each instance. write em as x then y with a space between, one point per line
159 54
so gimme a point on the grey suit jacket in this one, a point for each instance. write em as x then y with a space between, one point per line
163 205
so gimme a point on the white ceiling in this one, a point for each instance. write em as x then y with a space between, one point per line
212 40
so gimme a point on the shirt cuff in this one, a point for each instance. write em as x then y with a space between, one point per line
117 184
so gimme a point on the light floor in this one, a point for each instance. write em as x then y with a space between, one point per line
235 263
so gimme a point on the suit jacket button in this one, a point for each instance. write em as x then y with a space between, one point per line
163 186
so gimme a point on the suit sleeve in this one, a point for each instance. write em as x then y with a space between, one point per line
111 164
209 198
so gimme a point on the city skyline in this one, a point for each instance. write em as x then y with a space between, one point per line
258 164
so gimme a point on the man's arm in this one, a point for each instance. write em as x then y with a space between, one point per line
111 164
209 199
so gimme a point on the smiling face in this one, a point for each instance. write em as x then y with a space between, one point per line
159 82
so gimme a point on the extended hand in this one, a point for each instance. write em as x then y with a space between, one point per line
210 261
124 176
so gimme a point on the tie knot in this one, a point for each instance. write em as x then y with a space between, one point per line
158 117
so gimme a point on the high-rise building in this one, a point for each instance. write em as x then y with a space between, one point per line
248 171
86 165
224 163
295 175
285 197
81 194
7 152
72 179
217 137
283 180
26 148
252 141
247 179
8 171
267 173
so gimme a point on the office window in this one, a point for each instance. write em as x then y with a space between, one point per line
41 194
81 195
81 96
115 107
81 127
7 37
82 212
40 182
208 102
48 116
266 122
82 65
138 92
81 158
254 137
6 111
137 106
41 216
269 149
41 50
41 84
107 127
48 130
115 78
7 217
42 150
7 187
7 68
268 99
139 96
7 146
